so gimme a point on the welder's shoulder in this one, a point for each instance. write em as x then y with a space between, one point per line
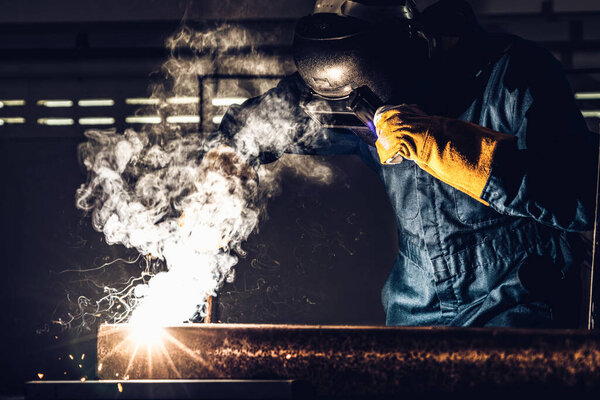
529 64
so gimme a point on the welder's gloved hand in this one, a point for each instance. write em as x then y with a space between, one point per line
456 152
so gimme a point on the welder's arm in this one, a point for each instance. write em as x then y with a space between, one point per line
265 127
546 170
549 172
456 152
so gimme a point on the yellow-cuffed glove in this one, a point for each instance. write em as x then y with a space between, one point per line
456 152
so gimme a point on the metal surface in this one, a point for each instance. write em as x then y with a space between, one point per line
360 361
165 390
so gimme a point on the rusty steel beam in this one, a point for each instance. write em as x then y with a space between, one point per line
360 361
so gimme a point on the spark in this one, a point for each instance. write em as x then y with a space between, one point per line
99 367
101 266
83 356
83 379
71 356
40 375
120 387
142 182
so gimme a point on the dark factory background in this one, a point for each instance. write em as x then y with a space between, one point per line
70 65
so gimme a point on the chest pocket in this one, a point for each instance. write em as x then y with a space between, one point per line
471 212
401 184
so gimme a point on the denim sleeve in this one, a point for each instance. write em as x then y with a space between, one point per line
265 127
548 172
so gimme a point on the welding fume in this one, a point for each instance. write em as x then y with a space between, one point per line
463 128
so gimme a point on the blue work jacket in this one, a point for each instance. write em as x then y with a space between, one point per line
458 261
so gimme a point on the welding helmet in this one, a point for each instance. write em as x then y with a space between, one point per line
355 55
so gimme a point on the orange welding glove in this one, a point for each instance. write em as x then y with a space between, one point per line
456 152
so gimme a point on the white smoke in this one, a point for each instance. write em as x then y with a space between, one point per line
181 198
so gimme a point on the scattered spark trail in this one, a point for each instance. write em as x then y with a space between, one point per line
180 197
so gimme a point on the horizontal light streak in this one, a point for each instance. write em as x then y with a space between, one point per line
143 101
55 103
96 103
12 120
183 100
183 119
587 96
591 114
96 121
145 119
227 101
12 102
217 119
55 121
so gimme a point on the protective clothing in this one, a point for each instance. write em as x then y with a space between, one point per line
456 152
458 260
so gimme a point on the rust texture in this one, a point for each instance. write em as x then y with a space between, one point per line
209 318
357 360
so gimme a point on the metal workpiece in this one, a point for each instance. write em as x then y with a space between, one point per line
359 361
179 389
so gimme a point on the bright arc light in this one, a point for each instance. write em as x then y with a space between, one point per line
147 334
143 101
96 121
96 103
183 119
227 101
55 121
143 119
55 103
183 100
587 96
217 119
591 114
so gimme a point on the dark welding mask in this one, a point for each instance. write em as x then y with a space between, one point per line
354 56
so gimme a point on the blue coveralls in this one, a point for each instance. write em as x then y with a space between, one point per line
458 259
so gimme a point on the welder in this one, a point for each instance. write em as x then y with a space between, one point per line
487 161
